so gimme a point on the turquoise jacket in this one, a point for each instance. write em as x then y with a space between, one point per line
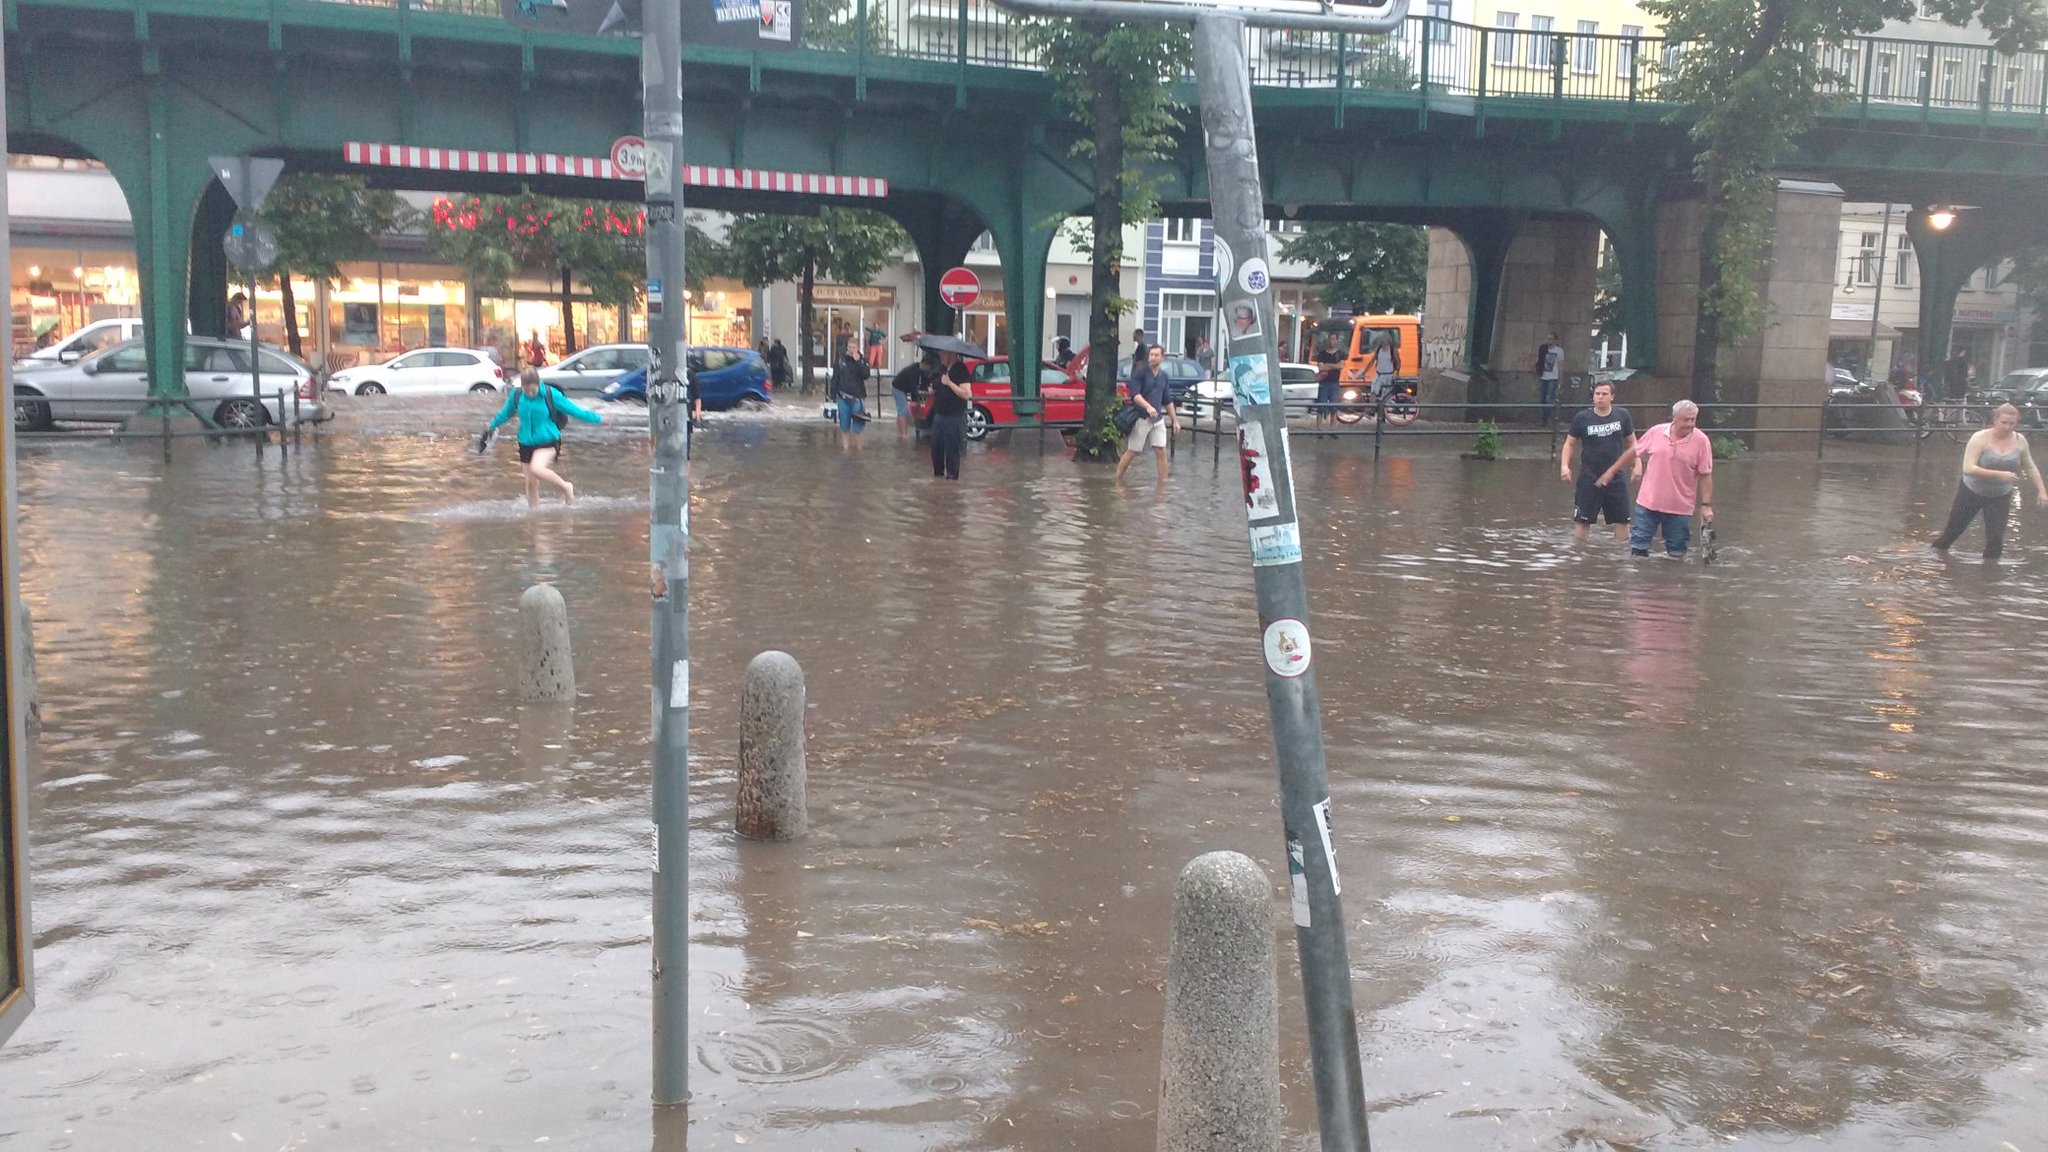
536 424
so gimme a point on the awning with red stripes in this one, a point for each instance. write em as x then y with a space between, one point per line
600 168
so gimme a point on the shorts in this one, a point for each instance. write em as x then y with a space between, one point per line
1590 500
1146 434
1326 393
526 451
902 405
848 406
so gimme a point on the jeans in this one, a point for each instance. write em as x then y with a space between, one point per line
848 405
949 434
1997 510
1546 395
1677 528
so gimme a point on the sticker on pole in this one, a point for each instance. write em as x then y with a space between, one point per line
1260 500
660 163
1322 811
1276 544
1287 650
1248 382
1253 278
1297 881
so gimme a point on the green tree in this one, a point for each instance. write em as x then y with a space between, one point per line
1371 267
1751 78
1108 76
830 26
320 221
845 244
2030 275
1607 315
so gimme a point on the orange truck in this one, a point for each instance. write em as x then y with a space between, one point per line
1352 341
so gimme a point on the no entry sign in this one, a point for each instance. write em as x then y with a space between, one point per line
959 287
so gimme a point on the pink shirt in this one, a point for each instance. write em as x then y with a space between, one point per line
1672 469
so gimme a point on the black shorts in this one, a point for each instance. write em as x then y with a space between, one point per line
526 451
1590 500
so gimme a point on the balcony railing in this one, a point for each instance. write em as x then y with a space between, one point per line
1437 58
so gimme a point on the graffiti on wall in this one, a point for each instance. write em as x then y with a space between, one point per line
1444 349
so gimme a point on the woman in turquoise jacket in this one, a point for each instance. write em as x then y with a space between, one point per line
535 405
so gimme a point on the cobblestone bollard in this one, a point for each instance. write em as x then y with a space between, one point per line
31 694
1219 1063
772 775
546 671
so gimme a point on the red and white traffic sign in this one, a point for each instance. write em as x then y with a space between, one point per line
629 157
959 287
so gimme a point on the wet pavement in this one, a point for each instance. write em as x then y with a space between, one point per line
1636 856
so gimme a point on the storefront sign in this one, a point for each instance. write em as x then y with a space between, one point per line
883 297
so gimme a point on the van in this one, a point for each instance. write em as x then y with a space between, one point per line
82 343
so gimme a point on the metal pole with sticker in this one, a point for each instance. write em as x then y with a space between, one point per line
668 539
1249 342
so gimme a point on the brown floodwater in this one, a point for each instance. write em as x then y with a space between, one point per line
1636 855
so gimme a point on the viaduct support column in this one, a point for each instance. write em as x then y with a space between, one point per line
1947 257
1023 243
943 230
207 300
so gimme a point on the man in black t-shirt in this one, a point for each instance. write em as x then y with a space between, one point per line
1605 439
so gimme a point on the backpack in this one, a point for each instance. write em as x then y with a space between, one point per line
561 418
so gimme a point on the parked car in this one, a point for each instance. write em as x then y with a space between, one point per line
725 378
423 372
98 335
2027 390
1297 383
1182 373
993 405
596 366
113 384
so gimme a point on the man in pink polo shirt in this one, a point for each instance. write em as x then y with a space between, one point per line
1674 465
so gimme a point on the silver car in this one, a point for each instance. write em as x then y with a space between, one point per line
594 367
113 384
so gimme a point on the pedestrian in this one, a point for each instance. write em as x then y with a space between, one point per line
1205 355
1549 362
950 393
850 393
1149 392
910 384
541 410
1955 376
1604 437
762 349
238 315
1383 367
1994 462
1329 368
1138 352
1674 468
1062 351
778 364
536 351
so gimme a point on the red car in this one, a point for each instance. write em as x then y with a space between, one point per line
994 406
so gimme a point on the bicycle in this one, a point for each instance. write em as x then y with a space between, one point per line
1957 419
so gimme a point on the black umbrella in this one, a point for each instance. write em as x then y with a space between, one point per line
941 343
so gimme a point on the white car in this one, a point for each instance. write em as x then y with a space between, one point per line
87 340
113 384
596 366
424 372
1297 383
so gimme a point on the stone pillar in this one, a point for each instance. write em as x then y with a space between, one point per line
1219 1081
1786 362
1446 316
1547 287
546 671
772 778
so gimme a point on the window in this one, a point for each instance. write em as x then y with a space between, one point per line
1887 69
454 359
1625 52
1586 47
2012 85
1183 231
1951 80
1539 42
275 365
133 359
416 360
1440 21
986 242
1866 259
1504 37
1902 267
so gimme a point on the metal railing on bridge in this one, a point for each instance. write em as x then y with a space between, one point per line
1434 57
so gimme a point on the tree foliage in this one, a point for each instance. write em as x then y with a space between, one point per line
845 244
2030 275
322 221
1111 79
1752 78
602 244
1371 267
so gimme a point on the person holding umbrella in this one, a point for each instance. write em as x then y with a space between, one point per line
950 395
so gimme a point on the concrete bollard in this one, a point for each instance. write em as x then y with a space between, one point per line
1219 1061
546 670
31 693
772 775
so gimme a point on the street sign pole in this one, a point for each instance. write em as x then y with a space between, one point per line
668 540
248 180
1249 339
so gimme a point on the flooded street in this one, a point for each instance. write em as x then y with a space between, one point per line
1636 855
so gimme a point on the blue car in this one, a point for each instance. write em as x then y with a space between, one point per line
725 378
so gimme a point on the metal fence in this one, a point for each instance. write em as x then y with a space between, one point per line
1433 57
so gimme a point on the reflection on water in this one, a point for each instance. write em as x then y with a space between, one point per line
1639 855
